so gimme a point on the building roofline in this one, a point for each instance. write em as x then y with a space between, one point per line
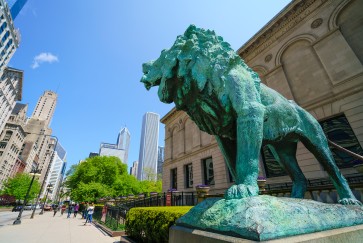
168 115
268 25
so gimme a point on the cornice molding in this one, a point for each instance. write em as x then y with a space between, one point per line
188 155
284 21
168 115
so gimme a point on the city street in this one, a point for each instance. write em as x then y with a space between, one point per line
8 217
46 228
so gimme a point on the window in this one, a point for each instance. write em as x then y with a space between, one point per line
189 175
272 166
230 177
338 130
173 178
208 171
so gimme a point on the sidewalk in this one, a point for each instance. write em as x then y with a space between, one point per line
46 228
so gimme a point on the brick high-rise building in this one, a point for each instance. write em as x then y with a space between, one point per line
45 107
11 143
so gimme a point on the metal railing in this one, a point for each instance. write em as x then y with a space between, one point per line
163 199
354 180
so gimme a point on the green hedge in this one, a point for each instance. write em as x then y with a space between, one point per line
151 224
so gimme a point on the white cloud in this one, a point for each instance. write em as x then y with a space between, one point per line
44 57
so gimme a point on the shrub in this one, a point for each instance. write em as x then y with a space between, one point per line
151 224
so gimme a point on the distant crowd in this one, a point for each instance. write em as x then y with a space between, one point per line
86 213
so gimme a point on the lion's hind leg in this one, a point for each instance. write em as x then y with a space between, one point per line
317 144
285 154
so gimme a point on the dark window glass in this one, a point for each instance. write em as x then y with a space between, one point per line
230 177
189 176
208 171
338 130
272 166
174 177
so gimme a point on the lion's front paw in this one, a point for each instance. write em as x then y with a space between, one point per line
241 191
350 201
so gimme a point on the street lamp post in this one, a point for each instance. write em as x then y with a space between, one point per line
35 173
49 187
46 174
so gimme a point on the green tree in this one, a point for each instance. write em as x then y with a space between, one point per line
127 184
95 178
18 186
104 176
91 192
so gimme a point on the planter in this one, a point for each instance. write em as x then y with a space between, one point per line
261 184
359 168
109 231
202 190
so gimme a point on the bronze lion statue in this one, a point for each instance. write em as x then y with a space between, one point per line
203 76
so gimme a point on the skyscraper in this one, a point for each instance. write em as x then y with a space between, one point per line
10 36
133 169
45 107
160 160
148 154
12 139
16 6
123 142
108 149
11 85
56 172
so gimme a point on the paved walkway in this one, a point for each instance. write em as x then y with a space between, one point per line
46 228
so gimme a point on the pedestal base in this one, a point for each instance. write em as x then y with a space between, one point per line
264 218
353 234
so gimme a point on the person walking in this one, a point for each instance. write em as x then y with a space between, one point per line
70 208
75 209
63 208
90 211
84 213
55 209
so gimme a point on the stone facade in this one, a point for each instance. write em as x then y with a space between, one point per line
11 85
11 143
310 52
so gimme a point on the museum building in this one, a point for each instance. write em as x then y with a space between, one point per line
311 52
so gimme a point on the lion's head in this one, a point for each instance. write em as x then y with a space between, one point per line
197 61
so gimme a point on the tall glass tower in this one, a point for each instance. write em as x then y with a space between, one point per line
10 37
16 6
148 155
123 142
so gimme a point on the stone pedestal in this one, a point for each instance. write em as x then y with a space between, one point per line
264 218
353 234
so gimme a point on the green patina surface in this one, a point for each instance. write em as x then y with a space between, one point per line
267 217
203 76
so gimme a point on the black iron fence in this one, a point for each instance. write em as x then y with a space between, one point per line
354 180
115 215
163 199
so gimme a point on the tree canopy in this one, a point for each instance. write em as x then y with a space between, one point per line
105 176
18 186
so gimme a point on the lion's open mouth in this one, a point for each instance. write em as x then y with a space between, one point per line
148 84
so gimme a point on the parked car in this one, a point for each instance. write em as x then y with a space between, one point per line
17 208
47 207
28 207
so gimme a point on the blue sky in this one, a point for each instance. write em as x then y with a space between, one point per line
91 52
